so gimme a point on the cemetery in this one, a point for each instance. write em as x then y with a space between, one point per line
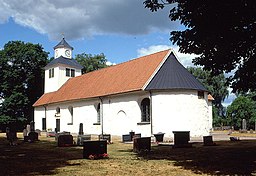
130 154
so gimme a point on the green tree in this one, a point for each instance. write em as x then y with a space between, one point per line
90 62
243 107
21 66
222 33
218 88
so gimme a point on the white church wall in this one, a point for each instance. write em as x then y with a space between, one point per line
180 111
122 114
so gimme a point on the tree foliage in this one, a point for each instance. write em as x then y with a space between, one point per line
21 66
222 33
243 107
90 62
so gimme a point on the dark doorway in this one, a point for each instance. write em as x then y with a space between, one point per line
57 125
44 124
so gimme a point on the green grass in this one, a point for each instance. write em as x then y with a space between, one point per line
45 158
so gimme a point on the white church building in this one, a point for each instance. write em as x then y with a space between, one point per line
148 95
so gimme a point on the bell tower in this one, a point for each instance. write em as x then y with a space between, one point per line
61 68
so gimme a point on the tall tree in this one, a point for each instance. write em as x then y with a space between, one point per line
90 62
222 33
243 107
21 66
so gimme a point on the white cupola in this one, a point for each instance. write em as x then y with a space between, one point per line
63 49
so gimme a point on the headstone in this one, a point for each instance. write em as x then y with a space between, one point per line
132 133
25 132
244 127
33 136
82 138
208 141
141 144
28 129
126 138
32 126
81 129
181 139
61 133
105 137
95 148
65 140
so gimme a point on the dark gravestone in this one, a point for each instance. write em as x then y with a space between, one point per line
159 137
142 144
32 136
61 133
137 135
94 148
208 141
105 137
81 129
181 139
132 133
126 138
82 138
32 126
65 140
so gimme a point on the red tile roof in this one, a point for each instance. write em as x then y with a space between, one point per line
126 77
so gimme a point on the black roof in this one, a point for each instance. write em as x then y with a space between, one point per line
62 44
173 75
66 61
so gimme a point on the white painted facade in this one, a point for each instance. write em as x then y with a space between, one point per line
120 114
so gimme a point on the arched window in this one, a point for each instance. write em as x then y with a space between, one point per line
145 110
98 113
70 109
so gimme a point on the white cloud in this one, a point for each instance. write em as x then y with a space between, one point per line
229 99
110 63
82 18
185 59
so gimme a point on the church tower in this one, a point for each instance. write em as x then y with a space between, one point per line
61 68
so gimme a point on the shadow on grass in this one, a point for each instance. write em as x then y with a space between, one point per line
38 158
227 158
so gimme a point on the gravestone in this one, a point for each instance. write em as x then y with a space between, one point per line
141 144
126 138
28 129
105 137
208 141
65 140
82 138
244 127
32 126
94 148
81 129
33 136
61 133
181 139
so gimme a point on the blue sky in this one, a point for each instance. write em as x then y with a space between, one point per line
121 29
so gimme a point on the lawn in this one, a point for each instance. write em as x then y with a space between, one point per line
45 158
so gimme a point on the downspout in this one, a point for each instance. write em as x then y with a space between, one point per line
151 122
101 113
45 110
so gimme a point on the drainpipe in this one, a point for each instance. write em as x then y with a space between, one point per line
45 108
151 122
101 113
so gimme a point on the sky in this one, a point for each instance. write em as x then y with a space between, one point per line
121 29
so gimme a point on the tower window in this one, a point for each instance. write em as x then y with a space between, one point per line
51 73
70 72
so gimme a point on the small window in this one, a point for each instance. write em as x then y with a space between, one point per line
200 94
51 73
145 110
67 72
70 109
70 72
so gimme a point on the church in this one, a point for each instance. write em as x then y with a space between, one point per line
148 95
